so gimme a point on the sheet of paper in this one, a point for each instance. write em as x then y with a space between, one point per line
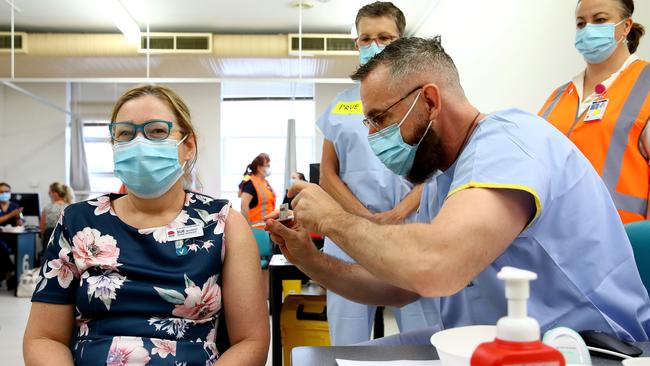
387 363
279 260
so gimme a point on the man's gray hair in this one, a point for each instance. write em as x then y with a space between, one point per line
413 57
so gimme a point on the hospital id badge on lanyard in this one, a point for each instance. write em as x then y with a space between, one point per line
597 109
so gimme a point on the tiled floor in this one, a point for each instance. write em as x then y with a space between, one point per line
13 317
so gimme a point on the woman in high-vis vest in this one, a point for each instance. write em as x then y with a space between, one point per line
257 197
605 109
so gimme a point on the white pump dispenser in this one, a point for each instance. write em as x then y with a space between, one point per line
517 326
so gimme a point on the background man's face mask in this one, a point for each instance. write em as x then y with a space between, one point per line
369 51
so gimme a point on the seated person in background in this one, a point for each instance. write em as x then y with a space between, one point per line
9 215
10 212
61 196
295 177
145 278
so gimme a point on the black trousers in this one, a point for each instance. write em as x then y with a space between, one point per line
6 265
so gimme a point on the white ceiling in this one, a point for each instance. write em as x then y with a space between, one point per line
215 16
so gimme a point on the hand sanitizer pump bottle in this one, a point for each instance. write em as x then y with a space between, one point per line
518 336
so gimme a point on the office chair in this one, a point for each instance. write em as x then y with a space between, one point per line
264 246
639 234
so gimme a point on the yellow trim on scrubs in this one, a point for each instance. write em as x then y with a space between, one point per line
519 187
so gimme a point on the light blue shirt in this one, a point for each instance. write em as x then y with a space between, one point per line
376 187
576 243
370 181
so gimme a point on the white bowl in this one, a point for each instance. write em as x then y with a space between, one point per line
455 346
639 361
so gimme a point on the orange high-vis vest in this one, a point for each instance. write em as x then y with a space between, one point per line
265 201
612 143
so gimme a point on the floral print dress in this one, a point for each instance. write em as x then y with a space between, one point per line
140 296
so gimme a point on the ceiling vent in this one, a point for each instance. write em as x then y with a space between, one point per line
322 44
20 42
177 43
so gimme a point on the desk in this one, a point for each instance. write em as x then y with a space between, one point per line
23 246
326 356
279 269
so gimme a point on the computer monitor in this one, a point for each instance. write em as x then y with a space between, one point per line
314 173
29 203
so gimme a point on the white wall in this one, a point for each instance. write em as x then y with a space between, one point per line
204 102
2 135
514 53
32 139
323 96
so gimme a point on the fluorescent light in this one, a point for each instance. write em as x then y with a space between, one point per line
123 20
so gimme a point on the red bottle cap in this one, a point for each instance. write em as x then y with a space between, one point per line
600 89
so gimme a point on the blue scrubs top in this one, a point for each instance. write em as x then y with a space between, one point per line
376 187
576 243
11 208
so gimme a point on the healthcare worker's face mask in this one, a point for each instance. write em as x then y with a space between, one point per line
369 51
596 42
391 149
148 168
267 171
5 196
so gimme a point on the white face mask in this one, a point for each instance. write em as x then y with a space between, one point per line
267 171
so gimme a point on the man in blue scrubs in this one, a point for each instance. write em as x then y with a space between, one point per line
512 191
360 183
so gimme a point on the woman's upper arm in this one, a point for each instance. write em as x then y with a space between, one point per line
42 226
246 199
329 163
50 321
243 291
645 142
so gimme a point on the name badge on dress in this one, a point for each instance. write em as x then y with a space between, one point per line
185 232
596 110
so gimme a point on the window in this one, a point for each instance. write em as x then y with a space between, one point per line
99 157
250 126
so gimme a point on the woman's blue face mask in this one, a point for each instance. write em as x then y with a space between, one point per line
597 42
391 149
148 168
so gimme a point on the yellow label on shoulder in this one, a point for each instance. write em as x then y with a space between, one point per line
354 107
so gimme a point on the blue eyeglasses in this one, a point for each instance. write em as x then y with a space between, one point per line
154 130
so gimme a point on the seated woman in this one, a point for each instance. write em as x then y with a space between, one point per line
145 278
61 196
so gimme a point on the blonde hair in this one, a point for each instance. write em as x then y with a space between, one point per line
181 112
63 191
